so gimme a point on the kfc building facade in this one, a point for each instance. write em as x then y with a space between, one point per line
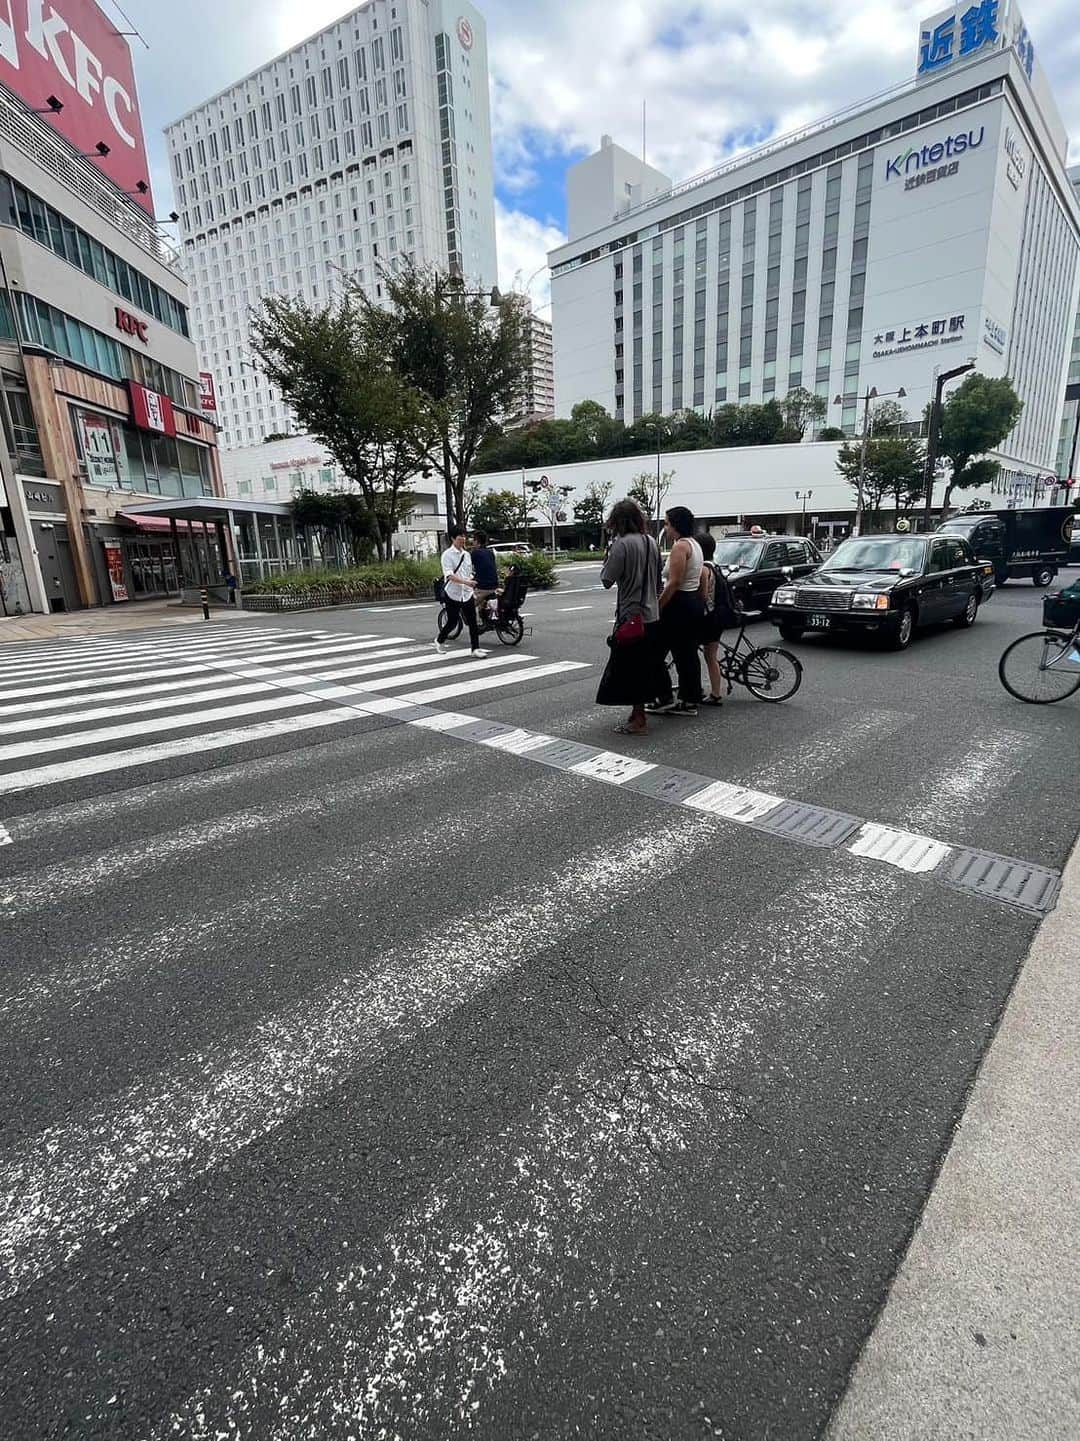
101 398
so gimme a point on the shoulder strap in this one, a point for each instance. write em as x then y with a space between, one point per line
460 563
644 570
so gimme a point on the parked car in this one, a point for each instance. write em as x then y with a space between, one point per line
756 565
1020 544
512 547
888 585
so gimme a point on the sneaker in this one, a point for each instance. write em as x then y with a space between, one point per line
478 652
442 649
683 707
662 708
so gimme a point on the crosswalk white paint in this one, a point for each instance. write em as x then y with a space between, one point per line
276 683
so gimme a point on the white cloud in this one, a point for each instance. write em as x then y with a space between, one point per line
523 243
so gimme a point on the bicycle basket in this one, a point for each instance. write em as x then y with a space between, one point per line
1062 607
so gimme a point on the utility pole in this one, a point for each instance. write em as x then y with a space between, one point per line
871 394
932 428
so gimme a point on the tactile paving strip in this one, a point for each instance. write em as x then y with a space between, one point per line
1000 878
812 825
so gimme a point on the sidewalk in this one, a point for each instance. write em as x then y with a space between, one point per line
108 620
979 1335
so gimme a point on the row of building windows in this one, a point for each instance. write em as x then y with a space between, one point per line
733 383
43 325
114 454
31 215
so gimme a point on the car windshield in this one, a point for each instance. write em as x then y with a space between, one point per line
737 552
960 527
859 554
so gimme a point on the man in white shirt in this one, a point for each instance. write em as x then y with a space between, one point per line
457 569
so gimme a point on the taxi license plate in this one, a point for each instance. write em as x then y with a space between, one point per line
820 622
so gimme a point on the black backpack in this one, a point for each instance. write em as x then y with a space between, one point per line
723 614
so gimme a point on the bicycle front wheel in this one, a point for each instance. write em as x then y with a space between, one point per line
771 674
510 631
450 634
1035 669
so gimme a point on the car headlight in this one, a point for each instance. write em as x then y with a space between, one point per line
784 596
868 601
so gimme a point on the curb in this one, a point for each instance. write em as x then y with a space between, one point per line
979 1335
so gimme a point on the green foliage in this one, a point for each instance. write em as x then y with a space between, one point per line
802 410
403 577
591 508
333 370
462 360
894 468
497 512
976 417
538 569
591 434
831 432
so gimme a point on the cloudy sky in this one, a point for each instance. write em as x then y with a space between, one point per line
717 77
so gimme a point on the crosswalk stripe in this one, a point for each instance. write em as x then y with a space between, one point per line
170 750
136 655
123 676
64 655
90 645
223 691
110 693
88 765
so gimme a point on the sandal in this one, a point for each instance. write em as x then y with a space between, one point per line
712 700
628 730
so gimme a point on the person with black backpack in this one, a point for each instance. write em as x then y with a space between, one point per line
719 614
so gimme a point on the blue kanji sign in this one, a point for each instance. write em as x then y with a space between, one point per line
936 46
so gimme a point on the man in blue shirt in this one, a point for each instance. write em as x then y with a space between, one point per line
486 572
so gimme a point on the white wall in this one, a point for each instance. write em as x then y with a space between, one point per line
745 480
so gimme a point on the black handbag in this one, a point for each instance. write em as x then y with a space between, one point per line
439 585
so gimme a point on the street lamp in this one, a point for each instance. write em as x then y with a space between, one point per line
455 284
804 496
872 394
655 425
933 426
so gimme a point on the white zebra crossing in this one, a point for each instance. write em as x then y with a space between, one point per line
276 683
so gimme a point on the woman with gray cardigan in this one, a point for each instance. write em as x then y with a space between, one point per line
631 676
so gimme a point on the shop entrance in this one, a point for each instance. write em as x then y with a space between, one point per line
55 562
152 567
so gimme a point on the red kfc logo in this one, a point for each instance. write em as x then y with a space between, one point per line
132 325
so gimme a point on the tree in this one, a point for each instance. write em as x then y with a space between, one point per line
591 508
332 372
831 432
337 516
649 490
802 409
976 417
463 361
498 511
893 467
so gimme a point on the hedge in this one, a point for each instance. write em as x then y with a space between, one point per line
386 580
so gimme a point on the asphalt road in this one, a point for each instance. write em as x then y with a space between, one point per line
389 1077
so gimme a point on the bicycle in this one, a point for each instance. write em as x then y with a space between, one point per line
503 618
1042 667
769 672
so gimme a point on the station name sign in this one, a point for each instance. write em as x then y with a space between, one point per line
923 157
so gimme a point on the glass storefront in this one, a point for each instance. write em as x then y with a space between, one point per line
114 454
151 565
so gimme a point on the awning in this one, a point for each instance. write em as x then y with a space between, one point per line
207 507
159 525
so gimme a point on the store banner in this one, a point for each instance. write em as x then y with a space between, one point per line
207 393
114 560
103 450
151 411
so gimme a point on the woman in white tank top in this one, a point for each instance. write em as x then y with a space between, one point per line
681 615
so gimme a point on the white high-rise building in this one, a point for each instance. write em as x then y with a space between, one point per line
367 144
872 252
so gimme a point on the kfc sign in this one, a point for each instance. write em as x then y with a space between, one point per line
132 325
69 49
207 393
151 411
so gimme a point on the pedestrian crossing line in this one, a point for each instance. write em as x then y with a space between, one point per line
110 693
193 697
88 1176
107 651
62 771
123 677
140 655
298 692
490 1234
91 645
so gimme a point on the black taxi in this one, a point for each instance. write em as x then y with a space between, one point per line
756 564
888 585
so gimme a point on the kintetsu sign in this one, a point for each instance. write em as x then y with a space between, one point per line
70 49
